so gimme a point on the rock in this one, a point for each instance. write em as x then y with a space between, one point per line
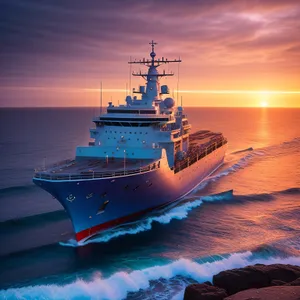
268 293
277 282
204 292
294 283
257 276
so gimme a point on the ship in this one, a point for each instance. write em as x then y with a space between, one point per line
142 157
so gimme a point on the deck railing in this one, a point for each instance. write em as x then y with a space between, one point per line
195 156
95 174
189 160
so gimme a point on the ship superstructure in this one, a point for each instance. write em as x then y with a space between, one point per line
142 158
143 126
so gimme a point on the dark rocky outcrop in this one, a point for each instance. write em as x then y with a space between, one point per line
204 292
257 276
277 282
258 282
294 283
268 293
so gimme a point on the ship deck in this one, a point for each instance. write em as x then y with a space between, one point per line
97 165
201 143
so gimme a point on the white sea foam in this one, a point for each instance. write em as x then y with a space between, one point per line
240 164
177 213
120 284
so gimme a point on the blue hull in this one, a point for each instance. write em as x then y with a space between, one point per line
95 205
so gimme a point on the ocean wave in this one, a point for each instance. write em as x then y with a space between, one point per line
118 285
286 147
17 189
256 197
176 213
290 191
46 217
243 150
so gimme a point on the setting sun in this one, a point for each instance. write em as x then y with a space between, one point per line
264 104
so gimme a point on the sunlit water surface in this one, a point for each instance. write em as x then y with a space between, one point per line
255 219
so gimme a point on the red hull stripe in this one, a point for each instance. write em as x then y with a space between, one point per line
113 223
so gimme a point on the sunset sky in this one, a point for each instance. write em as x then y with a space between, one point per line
234 53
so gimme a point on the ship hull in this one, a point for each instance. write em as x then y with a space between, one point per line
96 205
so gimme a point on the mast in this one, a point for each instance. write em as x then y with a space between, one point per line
153 63
152 77
101 98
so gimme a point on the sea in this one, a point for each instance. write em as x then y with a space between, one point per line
247 212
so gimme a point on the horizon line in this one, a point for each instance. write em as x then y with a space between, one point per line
222 91
190 106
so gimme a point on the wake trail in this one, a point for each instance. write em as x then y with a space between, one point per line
251 155
243 150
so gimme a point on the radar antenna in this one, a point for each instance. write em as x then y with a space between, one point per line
153 63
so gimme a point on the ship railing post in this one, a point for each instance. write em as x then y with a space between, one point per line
69 176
